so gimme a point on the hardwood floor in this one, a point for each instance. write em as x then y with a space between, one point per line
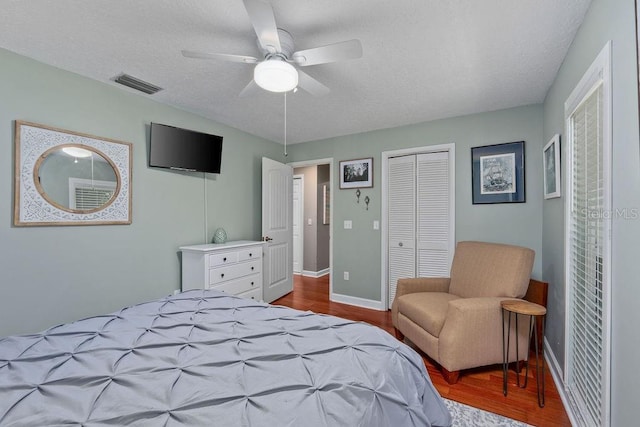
481 388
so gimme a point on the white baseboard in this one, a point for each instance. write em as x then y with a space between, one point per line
315 274
357 301
558 375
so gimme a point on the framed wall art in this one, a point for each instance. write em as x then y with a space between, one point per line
326 204
498 173
356 173
70 178
551 168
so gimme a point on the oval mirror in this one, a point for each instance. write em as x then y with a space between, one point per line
76 178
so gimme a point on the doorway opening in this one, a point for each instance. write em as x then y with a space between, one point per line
312 201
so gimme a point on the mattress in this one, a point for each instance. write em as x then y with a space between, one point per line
204 358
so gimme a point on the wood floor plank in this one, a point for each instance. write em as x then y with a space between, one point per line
480 388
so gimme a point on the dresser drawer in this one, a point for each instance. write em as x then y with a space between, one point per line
238 286
223 258
222 274
255 294
251 253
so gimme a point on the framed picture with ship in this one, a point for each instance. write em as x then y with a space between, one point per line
498 173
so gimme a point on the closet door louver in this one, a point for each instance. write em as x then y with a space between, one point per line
433 215
401 220
587 270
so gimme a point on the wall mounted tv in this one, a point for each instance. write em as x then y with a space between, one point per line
182 149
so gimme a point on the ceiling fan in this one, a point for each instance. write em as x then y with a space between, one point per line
275 71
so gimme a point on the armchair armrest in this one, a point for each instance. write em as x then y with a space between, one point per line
414 285
422 284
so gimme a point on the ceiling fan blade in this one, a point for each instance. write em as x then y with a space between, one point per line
264 24
311 85
220 56
350 49
249 89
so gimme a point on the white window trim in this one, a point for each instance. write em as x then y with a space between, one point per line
599 71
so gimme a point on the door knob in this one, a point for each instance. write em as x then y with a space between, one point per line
267 239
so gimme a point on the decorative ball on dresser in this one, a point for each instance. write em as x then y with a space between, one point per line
219 236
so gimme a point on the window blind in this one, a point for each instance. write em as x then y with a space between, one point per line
587 246
88 198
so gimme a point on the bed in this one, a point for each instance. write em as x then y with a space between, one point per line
204 358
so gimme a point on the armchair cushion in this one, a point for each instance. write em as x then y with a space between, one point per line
427 309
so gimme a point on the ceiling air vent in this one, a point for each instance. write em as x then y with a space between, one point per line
137 84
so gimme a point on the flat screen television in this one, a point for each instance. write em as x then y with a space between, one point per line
182 149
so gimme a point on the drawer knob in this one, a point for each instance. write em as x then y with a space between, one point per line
222 275
251 283
251 268
224 259
250 254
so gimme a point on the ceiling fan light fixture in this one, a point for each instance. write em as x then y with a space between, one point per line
276 75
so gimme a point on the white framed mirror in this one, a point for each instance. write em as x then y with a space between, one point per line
68 178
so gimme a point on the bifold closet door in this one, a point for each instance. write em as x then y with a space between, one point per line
434 216
401 208
420 217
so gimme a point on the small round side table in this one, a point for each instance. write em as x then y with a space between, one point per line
525 308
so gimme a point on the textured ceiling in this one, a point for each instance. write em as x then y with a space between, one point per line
422 60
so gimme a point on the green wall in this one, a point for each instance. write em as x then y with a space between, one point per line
358 250
51 275
606 20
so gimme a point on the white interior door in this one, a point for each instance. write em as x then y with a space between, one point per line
277 228
298 223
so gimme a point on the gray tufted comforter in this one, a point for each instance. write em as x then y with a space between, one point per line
203 358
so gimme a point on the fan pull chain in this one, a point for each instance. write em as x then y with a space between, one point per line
285 124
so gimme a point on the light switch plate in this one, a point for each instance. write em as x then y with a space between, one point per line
348 224
376 225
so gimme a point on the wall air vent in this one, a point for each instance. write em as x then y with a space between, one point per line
137 84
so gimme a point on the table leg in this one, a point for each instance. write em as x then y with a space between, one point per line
526 370
505 352
539 371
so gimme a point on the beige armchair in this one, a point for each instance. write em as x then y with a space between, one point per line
457 321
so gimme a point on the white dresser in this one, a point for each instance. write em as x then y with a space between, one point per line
232 267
